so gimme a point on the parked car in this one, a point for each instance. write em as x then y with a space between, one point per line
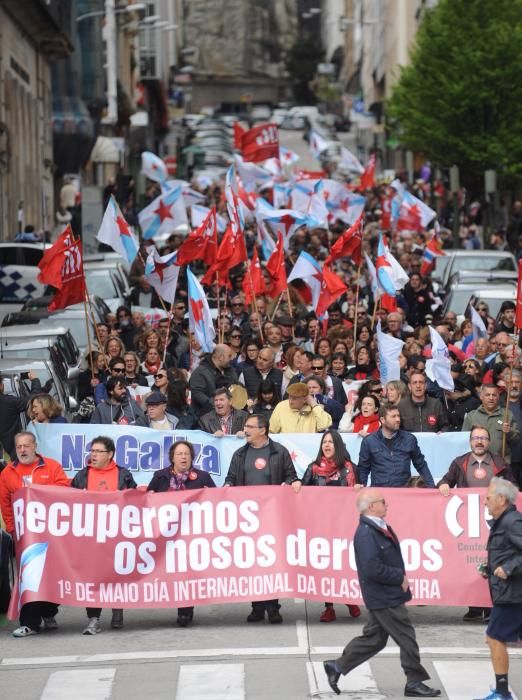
14 374
459 296
60 335
43 348
484 260
19 274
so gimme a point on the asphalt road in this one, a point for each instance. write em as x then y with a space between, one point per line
222 657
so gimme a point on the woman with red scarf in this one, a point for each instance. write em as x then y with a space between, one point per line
332 467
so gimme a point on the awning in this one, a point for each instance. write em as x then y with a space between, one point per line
105 151
70 116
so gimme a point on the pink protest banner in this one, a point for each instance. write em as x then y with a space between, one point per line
133 549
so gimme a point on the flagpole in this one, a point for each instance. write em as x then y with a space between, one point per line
218 307
276 306
376 305
508 394
169 321
357 280
254 301
290 310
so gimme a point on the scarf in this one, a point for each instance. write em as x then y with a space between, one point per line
328 469
177 481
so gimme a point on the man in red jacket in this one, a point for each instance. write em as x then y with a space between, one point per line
29 467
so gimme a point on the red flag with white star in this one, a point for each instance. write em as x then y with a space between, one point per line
200 244
332 287
349 245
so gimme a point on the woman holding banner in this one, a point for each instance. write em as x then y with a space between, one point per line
181 475
332 467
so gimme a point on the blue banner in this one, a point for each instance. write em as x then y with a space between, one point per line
144 450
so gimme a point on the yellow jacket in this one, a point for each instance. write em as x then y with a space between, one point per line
308 420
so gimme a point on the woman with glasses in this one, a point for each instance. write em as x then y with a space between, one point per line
152 365
365 367
233 340
102 474
332 467
181 475
249 352
133 375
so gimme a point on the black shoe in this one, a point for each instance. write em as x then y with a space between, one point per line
274 617
256 616
332 675
420 690
474 615
185 618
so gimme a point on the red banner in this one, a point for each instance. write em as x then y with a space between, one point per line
260 143
133 549
518 315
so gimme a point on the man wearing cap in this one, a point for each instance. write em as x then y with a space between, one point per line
300 413
224 419
156 412
286 326
262 462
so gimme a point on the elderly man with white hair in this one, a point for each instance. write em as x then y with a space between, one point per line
504 572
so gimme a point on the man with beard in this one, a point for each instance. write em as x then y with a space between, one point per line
118 408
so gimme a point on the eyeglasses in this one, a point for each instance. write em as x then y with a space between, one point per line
319 369
98 452
502 345
160 376
480 439
119 370
481 308
378 389
237 304
236 335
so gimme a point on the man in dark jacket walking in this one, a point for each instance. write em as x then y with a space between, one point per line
385 590
504 571
386 455
262 462
213 372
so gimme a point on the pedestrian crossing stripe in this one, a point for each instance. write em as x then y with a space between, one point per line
458 680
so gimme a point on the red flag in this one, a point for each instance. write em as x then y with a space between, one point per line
200 244
388 303
432 250
232 252
348 245
238 135
275 267
332 287
62 267
254 281
260 143
310 174
518 316
368 176
386 212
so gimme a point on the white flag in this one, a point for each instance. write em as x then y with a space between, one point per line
350 162
438 368
479 329
390 349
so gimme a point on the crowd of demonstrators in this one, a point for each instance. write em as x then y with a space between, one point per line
301 374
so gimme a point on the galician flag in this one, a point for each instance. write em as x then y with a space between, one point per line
307 268
116 232
390 349
153 167
162 273
163 214
200 320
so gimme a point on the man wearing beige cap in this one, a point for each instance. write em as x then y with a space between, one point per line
300 413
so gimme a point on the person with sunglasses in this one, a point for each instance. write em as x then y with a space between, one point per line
116 369
385 590
103 474
475 469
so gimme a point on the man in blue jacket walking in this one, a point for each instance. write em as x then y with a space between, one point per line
385 590
386 455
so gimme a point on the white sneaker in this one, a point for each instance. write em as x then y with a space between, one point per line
93 627
24 631
50 623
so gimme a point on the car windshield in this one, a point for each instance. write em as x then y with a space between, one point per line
100 282
75 325
481 262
